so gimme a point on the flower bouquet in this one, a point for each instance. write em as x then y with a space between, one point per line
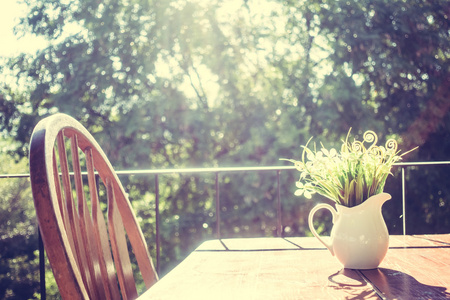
350 176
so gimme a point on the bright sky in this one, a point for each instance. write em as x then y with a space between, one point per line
11 12
10 44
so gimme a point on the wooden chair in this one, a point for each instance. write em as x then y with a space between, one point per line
71 219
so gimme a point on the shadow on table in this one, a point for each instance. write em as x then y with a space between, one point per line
352 283
399 285
388 284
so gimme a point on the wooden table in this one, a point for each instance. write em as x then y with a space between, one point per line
415 267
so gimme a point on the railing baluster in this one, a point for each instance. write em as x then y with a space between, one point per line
403 201
217 207
279 223
158 245
41 266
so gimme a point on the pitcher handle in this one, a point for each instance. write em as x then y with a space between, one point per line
311 224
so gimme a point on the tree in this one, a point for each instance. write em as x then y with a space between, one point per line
399 52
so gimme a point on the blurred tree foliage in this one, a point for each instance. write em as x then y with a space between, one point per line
18 234
170 84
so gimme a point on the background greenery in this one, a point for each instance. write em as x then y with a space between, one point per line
173 84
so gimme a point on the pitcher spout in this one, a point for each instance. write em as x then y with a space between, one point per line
378 199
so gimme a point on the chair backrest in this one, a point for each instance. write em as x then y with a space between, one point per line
72 219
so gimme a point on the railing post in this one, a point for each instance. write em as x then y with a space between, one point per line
217 207
403 201
279 223
41 266
158 246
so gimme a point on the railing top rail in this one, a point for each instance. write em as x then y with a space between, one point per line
14 175
422 163
226 169
206 170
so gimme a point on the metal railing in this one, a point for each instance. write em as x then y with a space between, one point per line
217 171
403 166
276 169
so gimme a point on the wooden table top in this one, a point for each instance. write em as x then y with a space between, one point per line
415 267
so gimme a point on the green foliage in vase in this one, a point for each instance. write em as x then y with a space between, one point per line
348 177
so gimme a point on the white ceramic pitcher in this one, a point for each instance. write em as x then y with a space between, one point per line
359 237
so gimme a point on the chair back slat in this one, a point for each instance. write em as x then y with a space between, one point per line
70 205
79 222
61 201
106 264
78 232
88 246
119 245
89 257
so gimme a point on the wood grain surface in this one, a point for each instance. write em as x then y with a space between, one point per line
416 267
